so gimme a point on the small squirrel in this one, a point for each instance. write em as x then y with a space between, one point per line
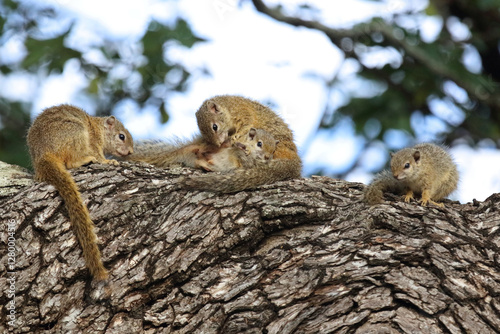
257 147
224 120
64 137
426 169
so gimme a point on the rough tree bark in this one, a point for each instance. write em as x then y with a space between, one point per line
303 256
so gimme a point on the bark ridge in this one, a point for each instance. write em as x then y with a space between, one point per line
301 256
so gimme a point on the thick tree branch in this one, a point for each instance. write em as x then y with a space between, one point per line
303 256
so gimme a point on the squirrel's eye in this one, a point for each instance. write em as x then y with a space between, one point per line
259 144
215 127
121 136
407 165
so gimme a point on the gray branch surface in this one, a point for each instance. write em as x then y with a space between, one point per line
13 178
302 256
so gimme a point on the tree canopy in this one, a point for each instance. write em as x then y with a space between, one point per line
425 71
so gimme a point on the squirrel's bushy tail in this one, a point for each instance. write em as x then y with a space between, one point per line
78 213
383 182
162 153
242 179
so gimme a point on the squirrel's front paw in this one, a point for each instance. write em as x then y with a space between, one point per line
408 197
111 162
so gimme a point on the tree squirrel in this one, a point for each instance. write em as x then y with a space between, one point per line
257 147
224 120
426 169
64 137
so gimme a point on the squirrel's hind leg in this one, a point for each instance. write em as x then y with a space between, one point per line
81 162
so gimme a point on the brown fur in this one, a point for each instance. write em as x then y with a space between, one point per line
64 137
238 115
166 154
257 147
233 117
425 169
382 183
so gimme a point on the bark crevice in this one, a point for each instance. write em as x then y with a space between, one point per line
302 256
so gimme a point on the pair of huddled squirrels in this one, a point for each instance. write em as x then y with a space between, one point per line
239 136
244 139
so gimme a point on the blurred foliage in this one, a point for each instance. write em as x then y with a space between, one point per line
117 71
13 122
426 69
400 94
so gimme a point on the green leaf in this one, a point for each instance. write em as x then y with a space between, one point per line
50 52
431 10
93 87
164 113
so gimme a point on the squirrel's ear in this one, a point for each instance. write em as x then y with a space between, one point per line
240 146
416 156
110 121
391 154
212 107
252 133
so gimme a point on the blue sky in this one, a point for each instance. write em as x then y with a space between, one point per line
252 55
